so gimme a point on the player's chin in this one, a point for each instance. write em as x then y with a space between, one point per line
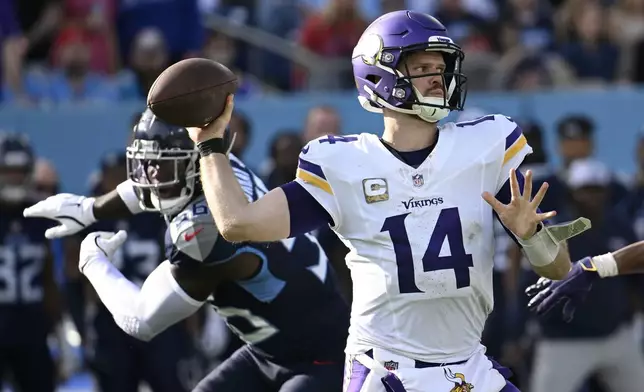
169 192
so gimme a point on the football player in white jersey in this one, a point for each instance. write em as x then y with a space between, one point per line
415 207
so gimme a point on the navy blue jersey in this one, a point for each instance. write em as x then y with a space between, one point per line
23 254
632 209
291 309
142 252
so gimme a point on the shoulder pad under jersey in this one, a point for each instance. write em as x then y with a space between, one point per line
193 231
328 145
324 151
491 123
319 157
492 130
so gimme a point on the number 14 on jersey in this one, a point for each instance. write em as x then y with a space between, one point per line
448 228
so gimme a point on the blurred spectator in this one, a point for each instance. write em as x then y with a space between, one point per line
148 58
627 21
39 20
46 179
71 81
531 73
241 128
96 18
575 138
627 29
320 121
576 142
601 338
591 53
284 152
469 30
47 183
521 69
639 157
541 168
633 206
392 5
14 46
240 11
284 18
334 32
222 49
178 21
532 20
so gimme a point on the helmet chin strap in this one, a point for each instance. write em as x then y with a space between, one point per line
431 114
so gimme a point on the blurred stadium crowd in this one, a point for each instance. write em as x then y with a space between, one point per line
61 51
85 52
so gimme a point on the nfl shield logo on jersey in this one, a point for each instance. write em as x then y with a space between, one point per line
390 365
418 180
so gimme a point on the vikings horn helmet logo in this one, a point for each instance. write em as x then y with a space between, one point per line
460 385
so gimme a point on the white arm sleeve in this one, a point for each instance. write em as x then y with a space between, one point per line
142 313
128 194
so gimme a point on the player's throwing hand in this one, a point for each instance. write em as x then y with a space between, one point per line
521 215
216 128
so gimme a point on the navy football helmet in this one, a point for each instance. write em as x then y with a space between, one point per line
381 52
16 167
163 160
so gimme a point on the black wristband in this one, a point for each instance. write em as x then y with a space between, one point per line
211 146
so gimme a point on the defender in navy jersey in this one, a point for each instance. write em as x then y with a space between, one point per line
119 361
280 298
28 295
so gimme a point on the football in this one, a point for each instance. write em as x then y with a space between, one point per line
192 92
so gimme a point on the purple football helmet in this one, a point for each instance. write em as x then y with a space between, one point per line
381 51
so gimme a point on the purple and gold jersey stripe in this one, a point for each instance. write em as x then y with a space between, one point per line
514 142
312 174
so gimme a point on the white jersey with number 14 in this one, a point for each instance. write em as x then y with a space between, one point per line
421 239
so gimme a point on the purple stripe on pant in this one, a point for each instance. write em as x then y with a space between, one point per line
391 383
359 373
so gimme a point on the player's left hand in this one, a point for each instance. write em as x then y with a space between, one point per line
100 244
72 212
572 290
216 128
521 216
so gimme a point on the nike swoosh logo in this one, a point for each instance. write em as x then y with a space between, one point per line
190 236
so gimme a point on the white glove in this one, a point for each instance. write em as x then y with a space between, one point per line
100 245
73 212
